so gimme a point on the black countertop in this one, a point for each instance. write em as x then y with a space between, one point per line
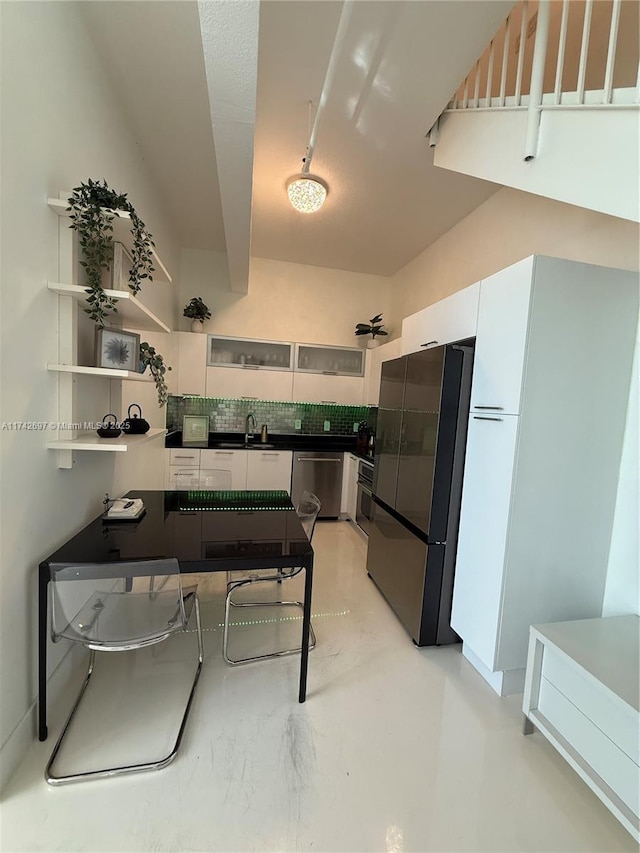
335 443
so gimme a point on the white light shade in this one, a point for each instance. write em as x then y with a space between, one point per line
307 193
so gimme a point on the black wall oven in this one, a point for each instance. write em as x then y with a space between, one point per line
364 507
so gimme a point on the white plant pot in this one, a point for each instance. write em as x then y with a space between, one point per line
196 326
372 343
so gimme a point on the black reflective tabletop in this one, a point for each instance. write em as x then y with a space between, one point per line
203 530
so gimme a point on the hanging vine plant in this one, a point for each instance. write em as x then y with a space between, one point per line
93 206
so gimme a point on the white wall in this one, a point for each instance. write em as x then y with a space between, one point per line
585 157
61 125
285 301
509 226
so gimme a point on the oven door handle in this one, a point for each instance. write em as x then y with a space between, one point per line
365 488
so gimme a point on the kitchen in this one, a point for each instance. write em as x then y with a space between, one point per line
297 295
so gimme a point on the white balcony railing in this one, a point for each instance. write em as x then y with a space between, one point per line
558 54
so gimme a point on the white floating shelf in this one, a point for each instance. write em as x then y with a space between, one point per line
121 234
92 441
132 313
106 372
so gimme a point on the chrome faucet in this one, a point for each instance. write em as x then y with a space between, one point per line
250 418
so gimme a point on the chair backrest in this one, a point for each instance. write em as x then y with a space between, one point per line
215 478
115 603
307 511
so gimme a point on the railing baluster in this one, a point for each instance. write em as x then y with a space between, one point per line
582 68
537 79
523 38
562 43
465 94
505 59
489 76
611 54
476 88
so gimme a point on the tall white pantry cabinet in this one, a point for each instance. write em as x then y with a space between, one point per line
552 368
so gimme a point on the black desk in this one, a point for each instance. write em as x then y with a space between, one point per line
205 532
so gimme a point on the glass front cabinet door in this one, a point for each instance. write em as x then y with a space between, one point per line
339 361
249 354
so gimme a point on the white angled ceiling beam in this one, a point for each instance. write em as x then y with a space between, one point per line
230 44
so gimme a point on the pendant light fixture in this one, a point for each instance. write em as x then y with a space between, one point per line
307 193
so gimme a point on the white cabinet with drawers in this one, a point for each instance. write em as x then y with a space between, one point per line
232 461
228 469
581 693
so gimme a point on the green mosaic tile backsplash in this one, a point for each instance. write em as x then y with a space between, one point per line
230 415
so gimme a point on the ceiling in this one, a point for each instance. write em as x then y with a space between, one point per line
400 63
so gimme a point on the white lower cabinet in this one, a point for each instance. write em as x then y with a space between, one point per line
450 319
232 461
349 498
250 383
321 388
269 469
229 469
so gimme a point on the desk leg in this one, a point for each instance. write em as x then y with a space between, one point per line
43 588
306 625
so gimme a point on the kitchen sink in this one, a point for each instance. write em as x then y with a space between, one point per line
240 445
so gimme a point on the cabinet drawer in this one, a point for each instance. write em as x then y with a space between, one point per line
615 767
608 712
185 458
183 479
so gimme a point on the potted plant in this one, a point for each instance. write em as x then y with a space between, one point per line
373 328
198 312
154 361
93 206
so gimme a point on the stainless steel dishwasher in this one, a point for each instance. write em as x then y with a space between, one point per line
320 473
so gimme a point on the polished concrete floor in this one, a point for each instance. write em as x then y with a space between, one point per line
396 749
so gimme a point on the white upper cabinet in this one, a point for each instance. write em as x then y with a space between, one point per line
249 384
192 361
501 344
341 361
319 388
452 319
375 359
246 352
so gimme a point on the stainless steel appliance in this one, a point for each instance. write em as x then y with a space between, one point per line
364 498
421 435
320 473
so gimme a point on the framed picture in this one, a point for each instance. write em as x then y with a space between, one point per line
195 430
117 348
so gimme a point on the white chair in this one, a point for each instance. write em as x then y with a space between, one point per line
307 511
114 607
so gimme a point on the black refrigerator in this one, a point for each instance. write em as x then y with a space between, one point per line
420 443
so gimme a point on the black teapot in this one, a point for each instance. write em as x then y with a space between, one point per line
134 424
109 429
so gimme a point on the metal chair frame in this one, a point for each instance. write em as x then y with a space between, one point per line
188 596
279 576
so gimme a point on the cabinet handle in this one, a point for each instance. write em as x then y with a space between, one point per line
251 367
317 459
224 452
428 343
481 418
248 398
183 457
328 401
330 372
493 408
273 453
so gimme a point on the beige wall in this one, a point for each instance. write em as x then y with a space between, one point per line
285 301
507 227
